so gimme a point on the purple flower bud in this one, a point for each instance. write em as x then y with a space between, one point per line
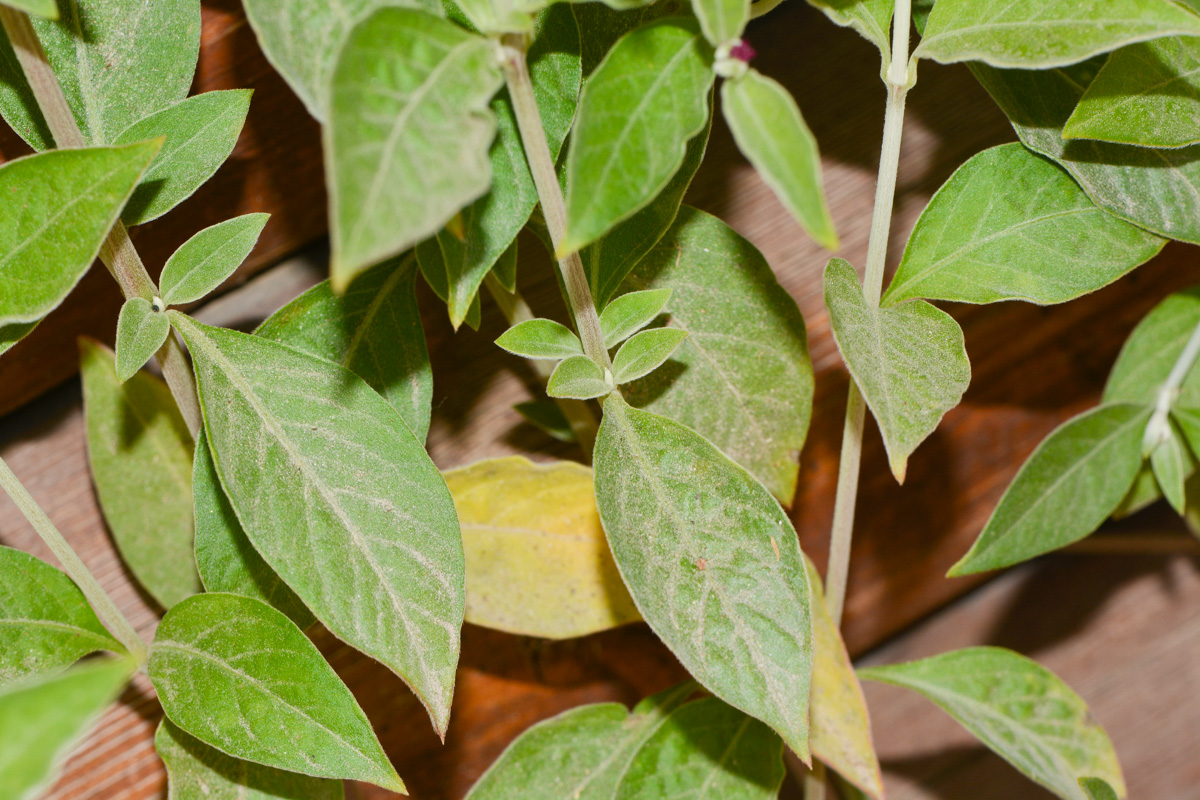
742 51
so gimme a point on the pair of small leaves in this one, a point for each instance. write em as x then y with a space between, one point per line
580 378
1020 710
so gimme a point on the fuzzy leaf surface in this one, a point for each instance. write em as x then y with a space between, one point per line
1067 487
629 313
745 381
1172 465
340 499
722 21
541 338
1151 351
1019 709
712 563
909 361
1011 225
40 8
140 332
206 260
578 378
645 352
135 428
221 657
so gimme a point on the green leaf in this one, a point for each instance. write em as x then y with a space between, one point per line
141 330
607 22
505 268
1172 465
499 16
219 658
207 259
1011 225
541 338
1097 789
315 464
871 18
45 623
1188 420
1019 709
579 378
200 133
582 754
767 126
140 452
746 380
636 115
631 312
55 212
909 361
1151 351
722 20
52 715
408 133
537 561
712 562
1142 493
11 334
196 771
1047 34
118 62
41 8
373 330
1067 487
225 558
645 352
548 418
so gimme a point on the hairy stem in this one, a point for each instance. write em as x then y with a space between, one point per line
112 618
117 252
545 177
579 415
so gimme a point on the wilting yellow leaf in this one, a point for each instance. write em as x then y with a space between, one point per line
840 731
537 560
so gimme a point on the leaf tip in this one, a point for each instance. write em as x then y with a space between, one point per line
900 469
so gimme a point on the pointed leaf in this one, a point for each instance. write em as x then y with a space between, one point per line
1067 487
1188 420
505 268
631 312
45 623
1053 33
1151 351
374 330
207 259
712 562
871 18
52 715
1011 225
636 115
225 558
645 352
220 657
1019 709
135 429
200 132
1097 789
909 361
408 133
41 8
340 499
141 330
55 212
722 20
767 126
579 378
196 771
537 561
541 338
1172 465
11 334
746 381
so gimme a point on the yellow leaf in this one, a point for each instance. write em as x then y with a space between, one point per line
840 731
537 560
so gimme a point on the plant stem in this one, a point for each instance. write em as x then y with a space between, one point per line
1158 429
579 415
112 618
545 178
117 252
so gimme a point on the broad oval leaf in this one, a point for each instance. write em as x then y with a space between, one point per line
55 211
631 312
135 429
41 8
206 260
225 558
340 499
408 134
1046 34
767 126
46 623
637 113
1019 709
1151 351
871 18
541 338
200 132
1011 225
722 20
52 715
909 361
373 329
746 381
645 352
141 330
220 657
537 560
196 771
579 378
712 563
1067 487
